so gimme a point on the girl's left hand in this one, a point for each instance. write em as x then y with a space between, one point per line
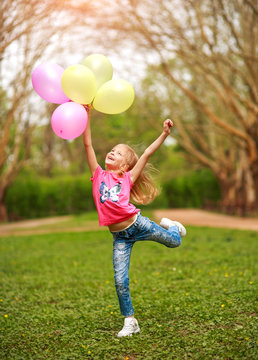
167 125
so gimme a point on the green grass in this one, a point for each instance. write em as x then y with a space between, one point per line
58 299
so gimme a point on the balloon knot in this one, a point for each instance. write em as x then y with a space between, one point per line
88 107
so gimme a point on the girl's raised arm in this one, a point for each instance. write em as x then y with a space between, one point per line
137 169
91 156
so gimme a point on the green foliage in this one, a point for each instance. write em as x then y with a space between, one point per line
58 299
38 197
31 197
197 189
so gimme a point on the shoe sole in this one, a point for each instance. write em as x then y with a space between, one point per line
135 332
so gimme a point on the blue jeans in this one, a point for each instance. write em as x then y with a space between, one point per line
142 229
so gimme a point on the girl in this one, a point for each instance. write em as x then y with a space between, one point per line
125 176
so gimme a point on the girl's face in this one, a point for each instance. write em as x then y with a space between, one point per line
116 159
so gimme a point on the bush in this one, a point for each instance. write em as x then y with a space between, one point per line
196 190
31 197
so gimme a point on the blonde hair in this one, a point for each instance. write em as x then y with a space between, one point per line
144 190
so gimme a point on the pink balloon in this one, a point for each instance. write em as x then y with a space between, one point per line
69 120
46 81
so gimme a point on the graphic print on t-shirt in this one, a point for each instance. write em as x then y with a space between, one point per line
107 193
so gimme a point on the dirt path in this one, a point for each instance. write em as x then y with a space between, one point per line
56 224
186 216
205 218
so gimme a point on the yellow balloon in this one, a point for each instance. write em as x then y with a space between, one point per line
114 97
79 84
101 66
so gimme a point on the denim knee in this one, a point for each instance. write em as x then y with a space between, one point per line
174 237
177 242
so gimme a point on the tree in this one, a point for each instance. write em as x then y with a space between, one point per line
207 50
29 31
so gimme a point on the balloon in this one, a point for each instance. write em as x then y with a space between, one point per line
114 97
69 120
79 84
100 66
46 81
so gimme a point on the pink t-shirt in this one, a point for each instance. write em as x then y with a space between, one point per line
111 195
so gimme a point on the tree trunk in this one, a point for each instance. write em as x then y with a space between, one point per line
254 170
239 190
3 212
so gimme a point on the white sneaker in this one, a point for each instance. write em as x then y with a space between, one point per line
167 223
130 327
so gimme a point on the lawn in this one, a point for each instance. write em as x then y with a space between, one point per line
58 299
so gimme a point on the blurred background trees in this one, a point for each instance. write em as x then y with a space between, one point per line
192 60
30 30
206 77
25 33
